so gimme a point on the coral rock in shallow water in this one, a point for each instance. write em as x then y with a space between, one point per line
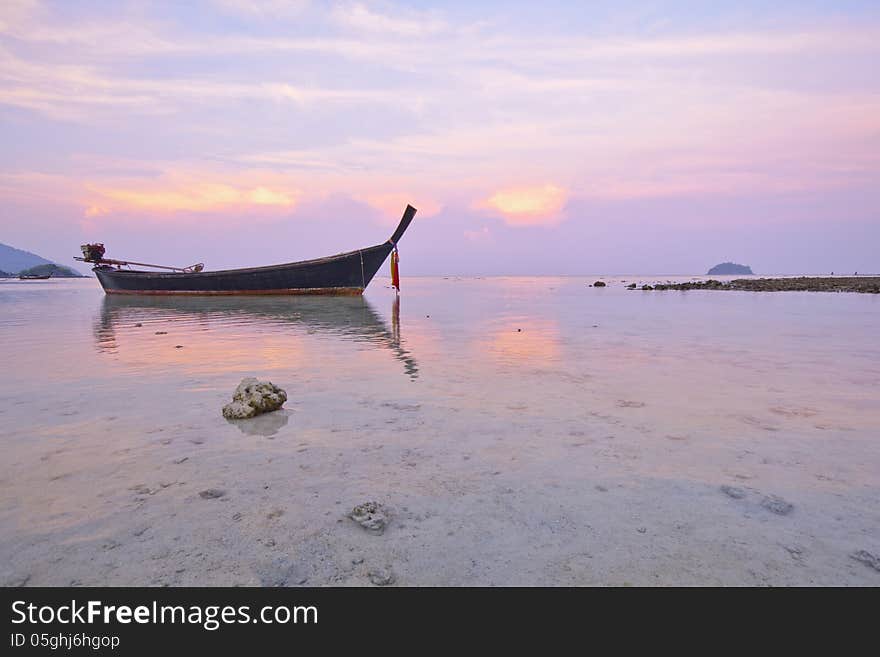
253 397
867 558
372 516
734 492
777 505
382 577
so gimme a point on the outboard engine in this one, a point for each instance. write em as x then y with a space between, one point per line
93 252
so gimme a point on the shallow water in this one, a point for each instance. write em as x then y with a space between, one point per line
513 424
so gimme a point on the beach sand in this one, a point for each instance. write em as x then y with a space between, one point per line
592 498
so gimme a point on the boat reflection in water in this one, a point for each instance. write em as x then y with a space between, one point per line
347 318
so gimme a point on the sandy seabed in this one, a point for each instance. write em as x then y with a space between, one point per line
540 453
572 504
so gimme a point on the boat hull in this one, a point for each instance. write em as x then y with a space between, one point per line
343 274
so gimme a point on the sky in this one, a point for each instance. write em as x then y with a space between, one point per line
534 138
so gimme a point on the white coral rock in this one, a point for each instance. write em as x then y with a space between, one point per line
253 397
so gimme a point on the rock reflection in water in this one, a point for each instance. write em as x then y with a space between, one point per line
348 318
267 424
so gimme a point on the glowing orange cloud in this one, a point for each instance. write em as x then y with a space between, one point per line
392 205
95 211
528 206
197 197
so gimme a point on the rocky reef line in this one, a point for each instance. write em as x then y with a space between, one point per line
864 284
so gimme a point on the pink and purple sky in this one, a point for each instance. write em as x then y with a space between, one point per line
535 138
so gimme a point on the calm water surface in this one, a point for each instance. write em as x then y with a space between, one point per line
548 347
460 379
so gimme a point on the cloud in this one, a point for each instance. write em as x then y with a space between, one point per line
85 93
391 105
16 12
528 206
169 197
481 235
263 9
391 205
769 43
95 211
402 23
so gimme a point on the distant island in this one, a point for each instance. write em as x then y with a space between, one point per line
16 262
730 269
57 271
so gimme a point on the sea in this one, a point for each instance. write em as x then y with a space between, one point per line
520 430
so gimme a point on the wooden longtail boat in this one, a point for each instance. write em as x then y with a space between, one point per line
346 273
34 277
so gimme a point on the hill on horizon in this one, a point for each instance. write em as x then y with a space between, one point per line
57 271
14 260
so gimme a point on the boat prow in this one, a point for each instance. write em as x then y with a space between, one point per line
345 273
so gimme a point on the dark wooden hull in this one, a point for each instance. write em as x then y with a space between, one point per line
346 274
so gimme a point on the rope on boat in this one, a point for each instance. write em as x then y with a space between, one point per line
395 271
363 278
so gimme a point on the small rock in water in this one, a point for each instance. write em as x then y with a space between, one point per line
631 286
253 397
734 492
599 284
372 516
161 332
212 493
865 557
795 551
381 577
777 505
138 325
